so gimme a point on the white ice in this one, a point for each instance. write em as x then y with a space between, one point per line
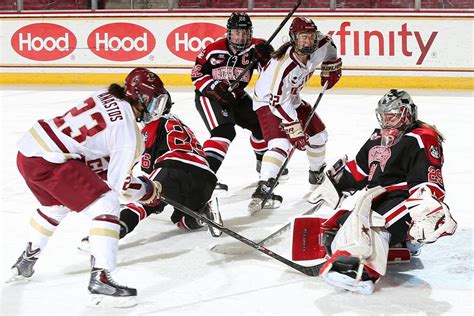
175 272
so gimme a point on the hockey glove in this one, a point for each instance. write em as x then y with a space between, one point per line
152 192
296 135
219 92
263 52
327 190
331 72
431 218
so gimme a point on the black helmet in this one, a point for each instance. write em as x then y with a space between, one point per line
239 21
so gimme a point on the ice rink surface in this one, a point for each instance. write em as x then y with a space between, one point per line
176 273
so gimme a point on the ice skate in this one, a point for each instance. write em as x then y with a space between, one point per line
348 273
105 292
274 201
23 268
317 177
211 211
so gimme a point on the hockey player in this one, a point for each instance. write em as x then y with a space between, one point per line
174 157
216 68
64 161
282 112
399 171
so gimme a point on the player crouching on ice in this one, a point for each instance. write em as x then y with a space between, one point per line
399 172
64 161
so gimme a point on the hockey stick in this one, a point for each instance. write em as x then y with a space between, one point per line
254 60
229 250
311 270
292 150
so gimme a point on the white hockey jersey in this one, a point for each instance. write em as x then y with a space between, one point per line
102 131
281 81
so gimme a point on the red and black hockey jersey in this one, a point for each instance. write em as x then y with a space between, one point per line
170 143
415 161
217 62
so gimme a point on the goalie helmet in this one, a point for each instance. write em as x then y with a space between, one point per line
239 31
396 113
145 87
303 25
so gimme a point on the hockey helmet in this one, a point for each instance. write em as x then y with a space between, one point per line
396 113
146 87
239 31
303 25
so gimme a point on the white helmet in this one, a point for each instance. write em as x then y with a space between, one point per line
396 113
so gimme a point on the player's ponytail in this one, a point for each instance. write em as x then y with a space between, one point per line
433 127
280 52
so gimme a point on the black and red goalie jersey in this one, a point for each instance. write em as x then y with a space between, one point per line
414 161
170 143
217 62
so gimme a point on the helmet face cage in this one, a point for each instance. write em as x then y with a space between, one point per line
395 113
239 31
303 25
159 106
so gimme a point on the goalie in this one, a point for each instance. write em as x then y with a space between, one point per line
399 172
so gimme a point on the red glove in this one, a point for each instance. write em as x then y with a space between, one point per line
296 135
331 72
153 192
219 91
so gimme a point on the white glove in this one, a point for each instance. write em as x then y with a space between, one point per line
326 190
431 218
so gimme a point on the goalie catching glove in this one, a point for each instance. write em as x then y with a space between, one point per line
431 218
152 192
327 190
219 91
296 135
331 72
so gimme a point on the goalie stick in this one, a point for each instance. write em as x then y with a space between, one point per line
310 271
235 250
292 150
270 39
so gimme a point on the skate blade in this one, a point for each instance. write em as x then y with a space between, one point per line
255 205
214 232
98 300
16 278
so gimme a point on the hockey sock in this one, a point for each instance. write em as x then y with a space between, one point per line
103 239
43 228
271 163
216 148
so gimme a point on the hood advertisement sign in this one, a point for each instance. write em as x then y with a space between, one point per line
367 43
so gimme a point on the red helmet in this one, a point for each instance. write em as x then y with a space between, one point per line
303 25
142 85
146 87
